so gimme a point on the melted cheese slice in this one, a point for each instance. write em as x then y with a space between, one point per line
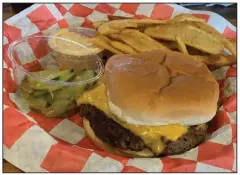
151 135
96 97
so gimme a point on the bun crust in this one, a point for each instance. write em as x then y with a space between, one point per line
160 88
99 143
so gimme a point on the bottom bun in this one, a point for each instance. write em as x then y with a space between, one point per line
106 147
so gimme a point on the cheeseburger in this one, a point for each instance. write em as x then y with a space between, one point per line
150 104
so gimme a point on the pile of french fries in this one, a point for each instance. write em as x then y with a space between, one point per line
184 33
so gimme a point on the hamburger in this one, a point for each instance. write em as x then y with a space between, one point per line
150 104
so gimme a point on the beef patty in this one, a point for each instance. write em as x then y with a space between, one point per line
114 134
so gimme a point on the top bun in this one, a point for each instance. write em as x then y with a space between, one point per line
160 88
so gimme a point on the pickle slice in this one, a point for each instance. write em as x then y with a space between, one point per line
57 109
73 92
50 74
24 86
37 104
39 93
57 76
84 75
54 100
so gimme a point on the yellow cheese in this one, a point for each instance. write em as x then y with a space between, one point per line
172 132
151 135
95 97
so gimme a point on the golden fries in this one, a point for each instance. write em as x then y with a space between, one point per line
123 47
190 35
147 22
143 38
112 17
97 24
181 46
186 17
184 33
228 43
139 41
114 26
104 42
135 43
216 60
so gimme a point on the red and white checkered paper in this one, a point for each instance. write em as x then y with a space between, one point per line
35 143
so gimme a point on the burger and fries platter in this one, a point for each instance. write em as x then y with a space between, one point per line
132 94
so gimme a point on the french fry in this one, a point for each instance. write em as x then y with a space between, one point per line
216 60
130 41
231 46
104 42
139 41
181 46
228 43
113 17
123 47
189 34
144 38
97 24
186 17
147 22
114 26
184 33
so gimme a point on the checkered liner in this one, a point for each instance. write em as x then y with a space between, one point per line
35 143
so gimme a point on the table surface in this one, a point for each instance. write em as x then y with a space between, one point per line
230 13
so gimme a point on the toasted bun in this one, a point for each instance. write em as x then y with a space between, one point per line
160 88
99 143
